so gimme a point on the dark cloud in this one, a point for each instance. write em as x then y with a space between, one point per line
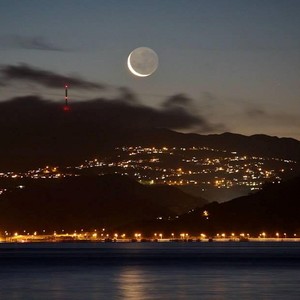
100 112
121 113
181 104
50 79
31 43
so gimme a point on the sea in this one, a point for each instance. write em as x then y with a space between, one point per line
149 270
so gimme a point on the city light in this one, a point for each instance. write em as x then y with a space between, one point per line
201 166
35 236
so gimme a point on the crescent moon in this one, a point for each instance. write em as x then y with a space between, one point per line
132 70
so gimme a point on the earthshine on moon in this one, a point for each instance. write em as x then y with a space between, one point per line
142 62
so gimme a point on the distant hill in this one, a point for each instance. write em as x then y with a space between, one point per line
88 202
258 144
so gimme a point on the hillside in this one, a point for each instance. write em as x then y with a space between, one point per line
273 209
88 202
119 203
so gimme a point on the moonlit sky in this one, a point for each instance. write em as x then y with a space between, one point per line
234 63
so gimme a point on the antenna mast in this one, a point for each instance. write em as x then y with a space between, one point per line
66 107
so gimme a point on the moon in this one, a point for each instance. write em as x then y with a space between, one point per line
142 62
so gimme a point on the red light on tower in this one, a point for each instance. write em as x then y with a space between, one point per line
66 107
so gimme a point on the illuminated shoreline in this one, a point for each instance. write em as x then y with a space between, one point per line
72 239
105 235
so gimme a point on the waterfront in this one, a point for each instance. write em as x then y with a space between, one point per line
263 270
93 237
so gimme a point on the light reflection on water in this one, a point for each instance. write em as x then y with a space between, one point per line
134 282
131 274
195 283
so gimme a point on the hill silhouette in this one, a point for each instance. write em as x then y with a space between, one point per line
119 203
89 202
273 209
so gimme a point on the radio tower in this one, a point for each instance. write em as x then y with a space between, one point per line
66 107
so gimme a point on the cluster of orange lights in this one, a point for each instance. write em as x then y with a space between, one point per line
137 236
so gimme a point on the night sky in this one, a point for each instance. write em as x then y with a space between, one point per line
224 65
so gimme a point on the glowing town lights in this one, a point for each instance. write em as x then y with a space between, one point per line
205 213
254 168
137 235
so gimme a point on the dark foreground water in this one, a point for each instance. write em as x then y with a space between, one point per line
150 271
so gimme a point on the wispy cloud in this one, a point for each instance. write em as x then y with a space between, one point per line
256 112
30 43
179 100
50 79
274 117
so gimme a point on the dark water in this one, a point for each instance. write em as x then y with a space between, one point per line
150 271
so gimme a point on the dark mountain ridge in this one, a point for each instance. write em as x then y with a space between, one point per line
258 144
64 147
